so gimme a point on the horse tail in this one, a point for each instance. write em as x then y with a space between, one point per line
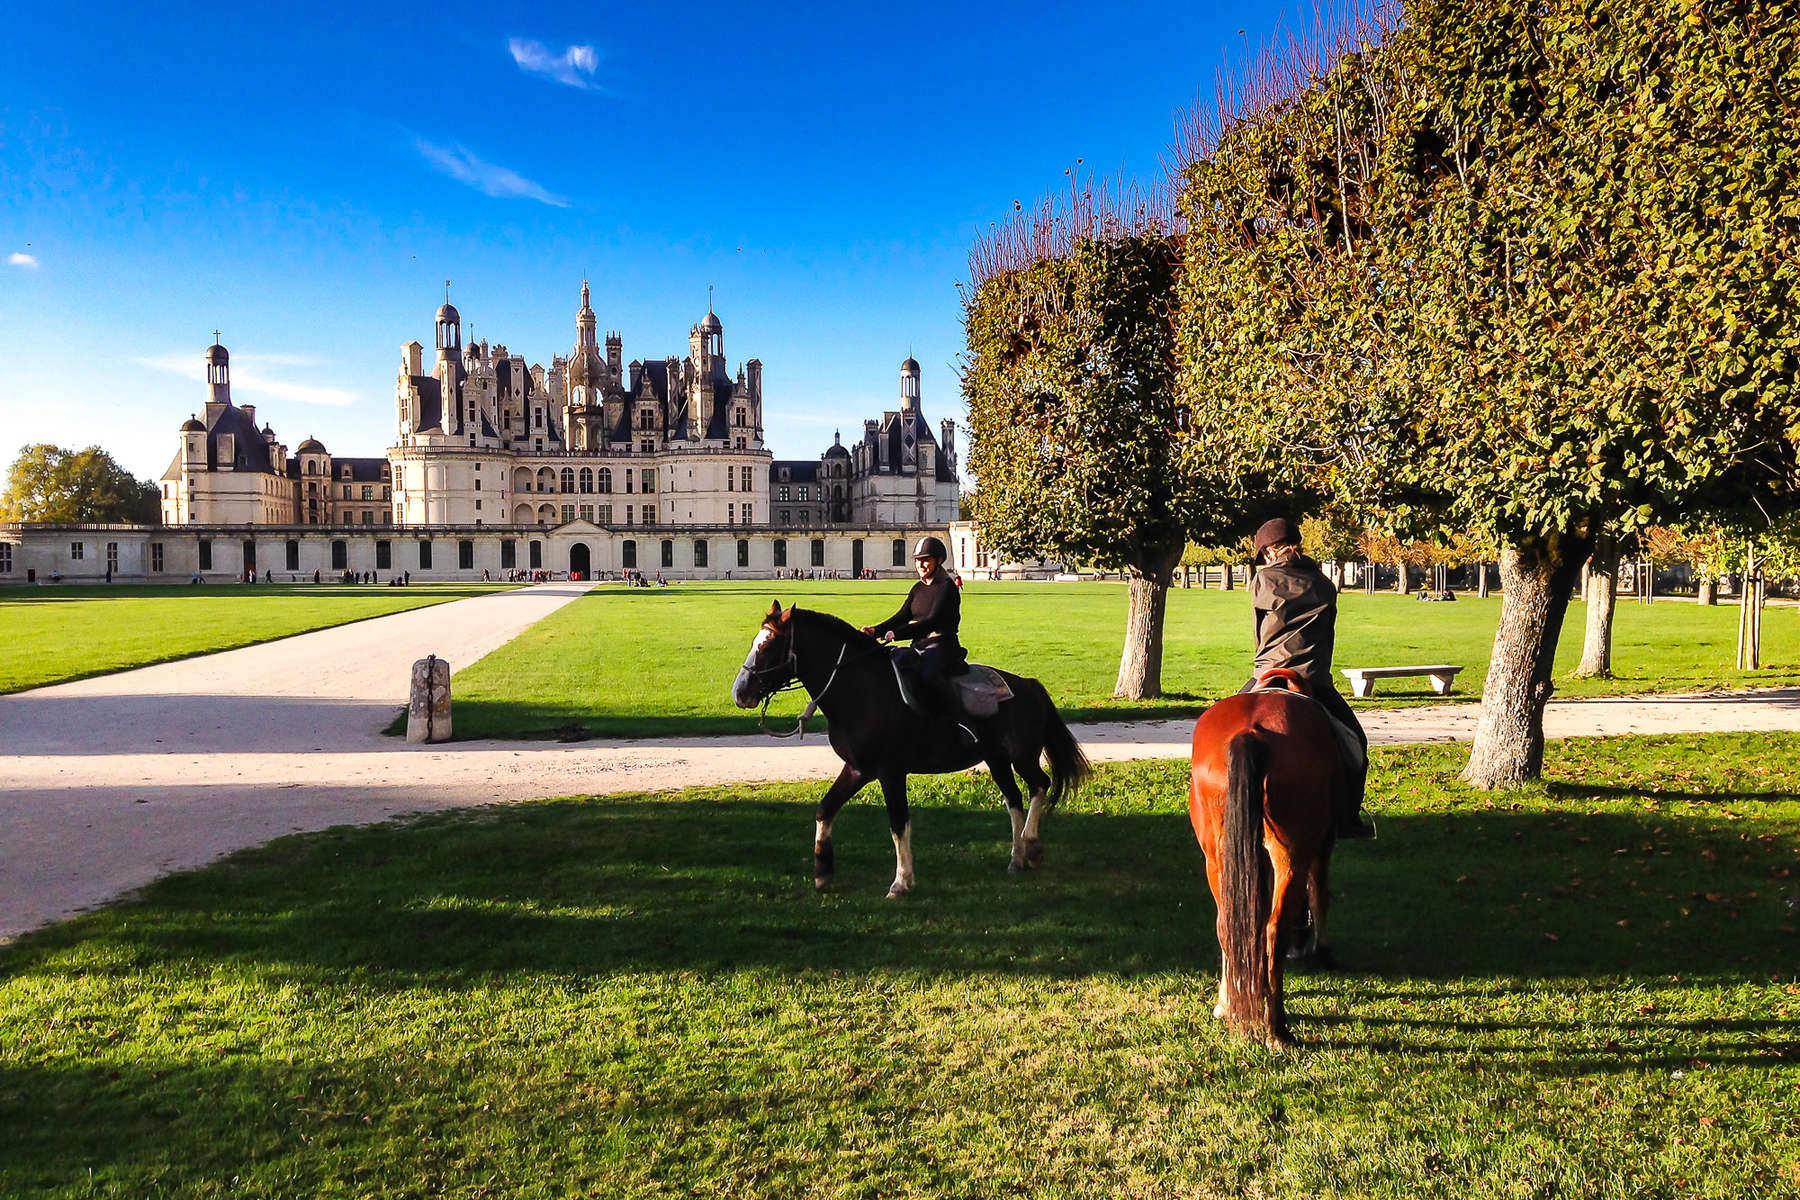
1069 766
1243 890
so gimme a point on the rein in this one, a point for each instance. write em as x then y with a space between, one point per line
812 702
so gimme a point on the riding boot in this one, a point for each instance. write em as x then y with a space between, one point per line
1351 825
951 708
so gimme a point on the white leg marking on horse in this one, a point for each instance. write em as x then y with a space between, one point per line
1035 815
1018 822
903 863
1219 1008
821 831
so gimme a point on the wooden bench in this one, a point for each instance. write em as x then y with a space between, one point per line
1362 679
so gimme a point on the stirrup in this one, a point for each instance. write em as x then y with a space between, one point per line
968 736
1356 829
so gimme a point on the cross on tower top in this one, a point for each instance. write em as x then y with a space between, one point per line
215 337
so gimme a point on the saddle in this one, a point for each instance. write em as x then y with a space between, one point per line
1286 679
979 692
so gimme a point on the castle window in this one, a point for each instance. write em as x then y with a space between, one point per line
731 514
312 468
385 516
205 549
649 480
368 514
628 480
465 555
346 473
587 512
568 479
782 494
646 446
743 549
740 444
156 559
730 480
76 551
6 556
742 417
344 517
781 552
899 552
587 479
805 493
628 555
699 554
606 479
537 555
509 554
787 518
649 514
346 491
424 555
747 514
744 475
368 492
340 555
818 552
668 553
603 514
568 513
384 555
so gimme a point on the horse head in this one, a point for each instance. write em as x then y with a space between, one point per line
769 666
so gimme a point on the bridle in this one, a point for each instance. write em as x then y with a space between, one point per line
791 665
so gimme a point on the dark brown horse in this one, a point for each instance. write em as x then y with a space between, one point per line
1264 784
850 677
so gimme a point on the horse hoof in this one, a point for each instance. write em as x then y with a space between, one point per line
1014 865
899 892
1219 1011
1034 854
1278 1040
822 883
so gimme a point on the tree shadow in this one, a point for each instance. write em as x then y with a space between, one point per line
590 888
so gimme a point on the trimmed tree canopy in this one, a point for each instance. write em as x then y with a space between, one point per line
48 483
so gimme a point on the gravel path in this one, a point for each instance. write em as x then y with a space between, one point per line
111 782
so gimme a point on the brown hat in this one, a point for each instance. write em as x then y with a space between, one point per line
1278 531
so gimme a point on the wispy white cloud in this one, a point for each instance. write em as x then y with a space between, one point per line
248 381
21 259
460 163
574 67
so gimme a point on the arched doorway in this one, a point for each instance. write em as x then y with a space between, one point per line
578 560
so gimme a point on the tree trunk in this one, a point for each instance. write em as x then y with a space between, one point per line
1602 596
1481 577
1140 666
1228 576
1402 584
1537 579
1709 592
1369 577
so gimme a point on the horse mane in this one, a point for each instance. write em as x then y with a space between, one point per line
844 629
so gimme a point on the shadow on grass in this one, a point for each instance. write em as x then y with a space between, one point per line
589 888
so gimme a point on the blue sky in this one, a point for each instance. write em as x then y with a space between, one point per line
304 178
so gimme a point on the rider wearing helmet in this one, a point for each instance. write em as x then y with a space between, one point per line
929 619
1296 626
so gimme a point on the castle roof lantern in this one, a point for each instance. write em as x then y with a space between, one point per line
711 323
216 355
910 366
448 313
311 446
193 425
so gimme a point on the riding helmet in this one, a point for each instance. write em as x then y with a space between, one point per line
1278 531
930 547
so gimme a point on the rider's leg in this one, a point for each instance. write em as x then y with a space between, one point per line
935 665
1351 826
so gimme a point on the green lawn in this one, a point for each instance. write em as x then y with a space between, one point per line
54 634
1586 989
660 661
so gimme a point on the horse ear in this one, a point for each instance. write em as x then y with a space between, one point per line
788 615
774 610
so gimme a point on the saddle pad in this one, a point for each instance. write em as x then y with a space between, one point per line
982 691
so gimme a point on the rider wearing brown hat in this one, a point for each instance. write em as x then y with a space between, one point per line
930 618
1296 627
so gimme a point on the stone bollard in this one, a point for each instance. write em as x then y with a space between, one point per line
428 705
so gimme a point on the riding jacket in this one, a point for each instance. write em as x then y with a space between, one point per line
930 618
1296 620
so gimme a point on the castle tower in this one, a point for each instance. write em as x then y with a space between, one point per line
218 380
909 385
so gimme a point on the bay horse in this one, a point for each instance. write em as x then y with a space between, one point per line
1266 778
850 678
